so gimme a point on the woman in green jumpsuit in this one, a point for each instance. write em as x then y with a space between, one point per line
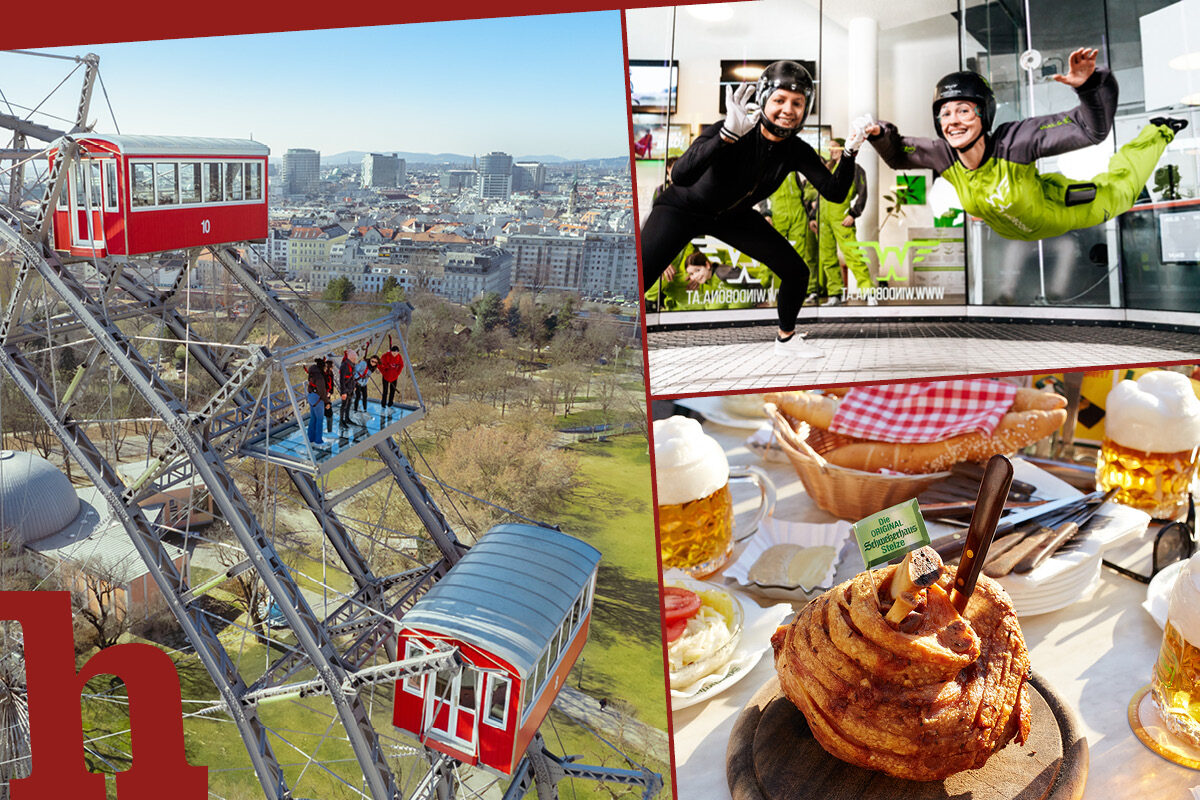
996 175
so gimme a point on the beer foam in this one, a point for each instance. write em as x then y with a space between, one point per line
1159 413
1184 608
688 463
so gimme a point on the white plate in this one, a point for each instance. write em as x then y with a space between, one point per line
715 412
1159 591
764 443
775 531
734 670
1046 606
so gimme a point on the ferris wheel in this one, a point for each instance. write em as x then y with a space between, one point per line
338 663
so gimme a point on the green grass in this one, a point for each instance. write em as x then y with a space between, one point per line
622 661
613 513
564 737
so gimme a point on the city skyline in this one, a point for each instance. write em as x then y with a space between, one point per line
331 90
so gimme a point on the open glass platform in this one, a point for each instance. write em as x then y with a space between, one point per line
287 444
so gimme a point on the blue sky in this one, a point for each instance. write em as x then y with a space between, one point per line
523 85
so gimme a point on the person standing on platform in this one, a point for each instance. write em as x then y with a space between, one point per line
361 377
346 383
391 364
329 379
835 227
318 400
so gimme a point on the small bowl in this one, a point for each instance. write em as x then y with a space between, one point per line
722 654
776 531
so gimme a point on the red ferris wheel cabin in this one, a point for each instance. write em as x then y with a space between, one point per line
130 195
517 606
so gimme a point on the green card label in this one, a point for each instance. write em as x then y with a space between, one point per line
890 533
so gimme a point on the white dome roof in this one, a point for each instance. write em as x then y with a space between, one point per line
36 499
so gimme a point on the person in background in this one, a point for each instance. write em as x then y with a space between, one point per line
834 224
362 376
789 215
318 400
662 187
694 274
329 359
346 383
391 364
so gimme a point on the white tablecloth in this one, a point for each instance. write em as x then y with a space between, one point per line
1096 654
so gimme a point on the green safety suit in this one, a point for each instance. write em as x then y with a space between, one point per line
672 295
713 294
1008 193
834 236
789 215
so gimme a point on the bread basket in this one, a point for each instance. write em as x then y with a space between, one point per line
846 493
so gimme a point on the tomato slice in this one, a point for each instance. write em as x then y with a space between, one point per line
679 604
675 629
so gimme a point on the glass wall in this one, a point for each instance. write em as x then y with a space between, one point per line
914 244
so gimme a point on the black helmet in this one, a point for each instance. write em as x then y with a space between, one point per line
965 85
784 75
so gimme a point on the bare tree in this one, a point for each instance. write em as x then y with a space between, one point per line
248 590
609 393
565 380
100 601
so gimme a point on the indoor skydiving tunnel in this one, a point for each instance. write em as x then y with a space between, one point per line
918 257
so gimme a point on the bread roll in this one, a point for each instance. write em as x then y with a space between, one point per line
815 409
1037 400
1017 429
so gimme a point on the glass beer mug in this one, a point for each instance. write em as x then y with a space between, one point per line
1175 685
695 508
1151 434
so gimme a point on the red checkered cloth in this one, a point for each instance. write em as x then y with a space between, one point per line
923 412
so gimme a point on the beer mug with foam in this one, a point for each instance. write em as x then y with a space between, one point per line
1151 436
695 508
1175 685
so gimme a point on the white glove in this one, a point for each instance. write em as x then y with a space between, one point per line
739 120
858 132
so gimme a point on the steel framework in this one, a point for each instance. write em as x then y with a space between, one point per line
342 651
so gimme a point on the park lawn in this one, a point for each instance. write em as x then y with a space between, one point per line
217 745
564 737
612 511
586 416
621 662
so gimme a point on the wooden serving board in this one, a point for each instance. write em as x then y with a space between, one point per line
772 755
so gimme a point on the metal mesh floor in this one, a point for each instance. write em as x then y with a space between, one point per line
288 444
731 359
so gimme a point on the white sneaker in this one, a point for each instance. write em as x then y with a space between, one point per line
836 300
871 301
796 347
812 299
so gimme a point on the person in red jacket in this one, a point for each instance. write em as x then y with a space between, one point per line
391 364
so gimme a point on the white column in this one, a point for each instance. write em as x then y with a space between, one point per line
862 73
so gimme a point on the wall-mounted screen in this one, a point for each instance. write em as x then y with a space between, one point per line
1179 234
748 70
653 86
